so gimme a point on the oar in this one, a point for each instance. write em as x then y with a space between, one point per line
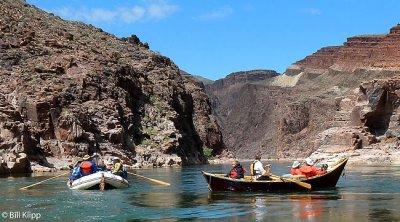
154 180
24 188
300 183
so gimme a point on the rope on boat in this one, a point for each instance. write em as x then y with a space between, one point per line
102 182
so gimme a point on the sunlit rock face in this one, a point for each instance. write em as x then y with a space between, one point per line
70 89
334 101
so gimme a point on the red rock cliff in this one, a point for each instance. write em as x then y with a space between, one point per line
358 52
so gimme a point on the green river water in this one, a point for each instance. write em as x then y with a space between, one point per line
363 194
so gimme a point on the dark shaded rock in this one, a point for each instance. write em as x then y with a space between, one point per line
204 122
295 119
20 164
134 40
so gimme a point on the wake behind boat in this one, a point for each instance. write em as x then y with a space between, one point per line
219 182
96 180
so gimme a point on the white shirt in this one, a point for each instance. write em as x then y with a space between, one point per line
258 168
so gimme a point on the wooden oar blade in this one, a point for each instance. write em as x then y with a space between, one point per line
161 182
40 182
151 179
303 184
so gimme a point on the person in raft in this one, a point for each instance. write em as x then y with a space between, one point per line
118 168
88 166
295 170
109 165
257 170
82 168
309 170
98 162
75 171
237 171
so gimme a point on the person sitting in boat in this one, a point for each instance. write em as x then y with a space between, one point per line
88 166
257 170
95 158
295 170
309 170
76 172
237 171
101 166
109 165
118 168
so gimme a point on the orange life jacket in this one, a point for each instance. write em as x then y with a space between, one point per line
86 168
309 171
295 171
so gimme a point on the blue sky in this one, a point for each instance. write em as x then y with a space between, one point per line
213 38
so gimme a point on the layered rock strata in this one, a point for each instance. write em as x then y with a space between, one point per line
309 107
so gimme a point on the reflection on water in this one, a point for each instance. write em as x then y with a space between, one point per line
368 194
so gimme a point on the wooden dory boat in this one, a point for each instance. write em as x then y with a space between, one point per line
219 182
93 181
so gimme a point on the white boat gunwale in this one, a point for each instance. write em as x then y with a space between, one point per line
92 180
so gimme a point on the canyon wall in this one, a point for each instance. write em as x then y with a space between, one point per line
70 89
319 105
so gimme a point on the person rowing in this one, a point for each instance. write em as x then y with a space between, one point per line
118 168
257 170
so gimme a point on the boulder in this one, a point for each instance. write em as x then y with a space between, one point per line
12 163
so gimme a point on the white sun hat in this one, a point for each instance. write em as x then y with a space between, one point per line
309 161
295 164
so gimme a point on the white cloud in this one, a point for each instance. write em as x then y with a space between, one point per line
311 11
151 10
131 15
219 13
161 9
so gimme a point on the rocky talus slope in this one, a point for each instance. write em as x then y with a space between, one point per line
341 100
366 125
70 89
